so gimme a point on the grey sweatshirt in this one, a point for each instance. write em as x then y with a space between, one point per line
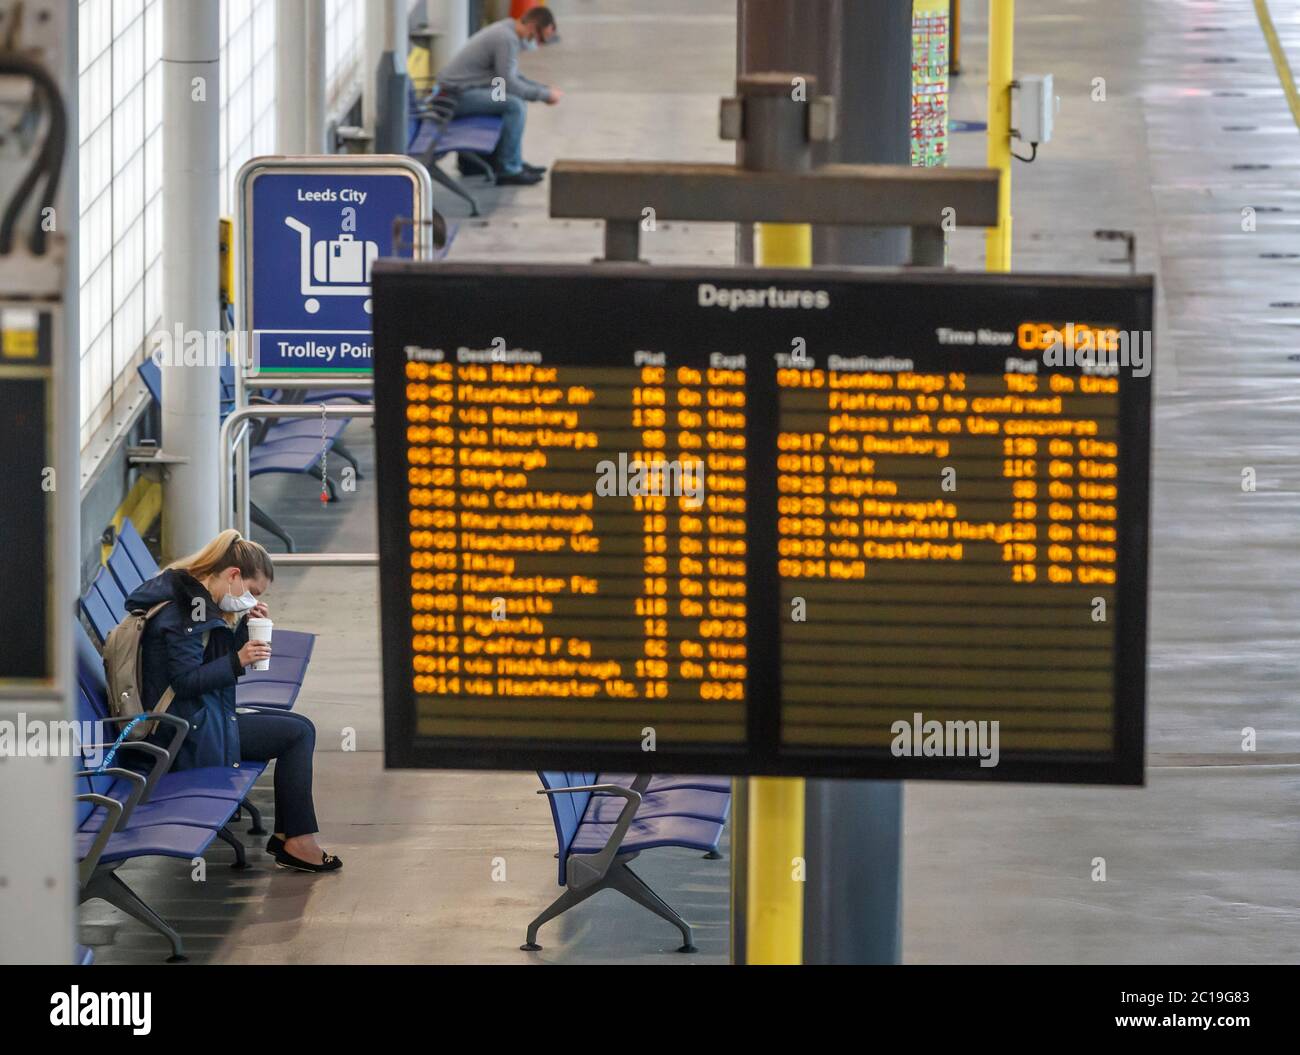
491 52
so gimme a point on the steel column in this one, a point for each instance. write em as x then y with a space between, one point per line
191 92
775 137
853 897
450 20
390 83
622 240
314 116
871 47
290 76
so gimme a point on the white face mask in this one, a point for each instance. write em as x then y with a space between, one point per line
530 43
242 603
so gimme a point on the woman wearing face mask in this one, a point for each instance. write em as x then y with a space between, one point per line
198 644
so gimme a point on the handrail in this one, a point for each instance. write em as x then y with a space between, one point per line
343 380
233 507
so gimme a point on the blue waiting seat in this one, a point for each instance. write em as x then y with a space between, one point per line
434 131
104 604
102 849
175 807
275 433
601 825
289 447
669 781
338 395
118 821
97 611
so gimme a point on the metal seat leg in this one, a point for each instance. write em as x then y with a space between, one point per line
348 457
264 521
478 161
561 904
227 836
328 481
107 886
452 185
624 880
254 816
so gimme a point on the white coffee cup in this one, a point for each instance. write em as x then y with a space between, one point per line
260 630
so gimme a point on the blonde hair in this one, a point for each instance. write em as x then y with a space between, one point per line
228 550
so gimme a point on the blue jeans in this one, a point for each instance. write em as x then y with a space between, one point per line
513 113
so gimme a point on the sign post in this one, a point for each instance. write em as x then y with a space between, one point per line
311 229
1002 37
776 137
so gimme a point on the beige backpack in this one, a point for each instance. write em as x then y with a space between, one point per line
122 670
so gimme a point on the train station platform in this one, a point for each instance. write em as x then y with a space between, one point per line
1192 128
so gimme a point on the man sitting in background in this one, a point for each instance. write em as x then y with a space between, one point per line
484 78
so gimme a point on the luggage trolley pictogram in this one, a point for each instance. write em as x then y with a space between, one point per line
340 265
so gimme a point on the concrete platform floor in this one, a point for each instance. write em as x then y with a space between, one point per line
1203 864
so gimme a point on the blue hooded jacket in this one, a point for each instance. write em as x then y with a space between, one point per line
203 676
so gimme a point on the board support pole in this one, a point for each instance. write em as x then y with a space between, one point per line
1002 28
775 117
853 829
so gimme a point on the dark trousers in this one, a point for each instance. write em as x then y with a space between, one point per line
290 739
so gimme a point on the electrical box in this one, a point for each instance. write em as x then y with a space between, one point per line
1037 103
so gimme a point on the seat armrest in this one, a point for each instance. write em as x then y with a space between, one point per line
180 725
86 867
138 785
162 761
604 789
585 869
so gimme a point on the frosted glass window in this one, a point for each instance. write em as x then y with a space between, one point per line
120 166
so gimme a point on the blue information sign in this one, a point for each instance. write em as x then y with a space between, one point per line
312 229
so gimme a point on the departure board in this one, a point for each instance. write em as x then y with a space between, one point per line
830 523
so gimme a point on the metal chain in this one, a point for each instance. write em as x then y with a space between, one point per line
324 462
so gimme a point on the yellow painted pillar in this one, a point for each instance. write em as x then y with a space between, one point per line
774 928
774 894
1002 22
783 244
954 45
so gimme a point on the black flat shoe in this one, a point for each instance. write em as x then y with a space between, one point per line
539 169
287 860
522 178
274 845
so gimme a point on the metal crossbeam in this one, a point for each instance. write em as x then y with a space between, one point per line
860 195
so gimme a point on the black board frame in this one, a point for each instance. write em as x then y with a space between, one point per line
591 311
